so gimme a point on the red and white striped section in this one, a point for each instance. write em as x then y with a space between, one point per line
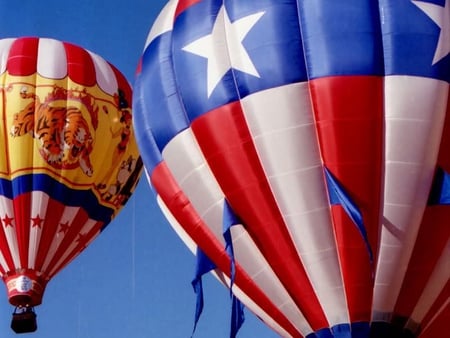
307 247
415 112
54 59
207 204
294 211
40 236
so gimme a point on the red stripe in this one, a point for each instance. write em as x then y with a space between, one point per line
123 85
439 326
438 305
226 142
72 234
50 227
22 213
80 66
430 246
184 4
432 237
349 118
22 59
83 242
6 250
185 214
354 266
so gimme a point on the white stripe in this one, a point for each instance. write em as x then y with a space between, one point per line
3 263
5 46
6 205
282 126
248 255
70 251
106 79
439 312
67 217
189 168
415 110
39 203
251 305
237 243
438 279
184 236
163 23
52 59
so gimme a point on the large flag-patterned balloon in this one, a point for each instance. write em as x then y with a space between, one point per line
301 149
68 158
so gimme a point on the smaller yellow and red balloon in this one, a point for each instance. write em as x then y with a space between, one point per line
68 158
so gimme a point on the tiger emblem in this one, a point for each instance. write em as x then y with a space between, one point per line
63 132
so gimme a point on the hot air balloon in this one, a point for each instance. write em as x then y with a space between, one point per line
68 161
300 149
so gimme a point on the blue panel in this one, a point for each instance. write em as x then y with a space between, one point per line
237 316
203 266
440 191
273 45
410 39
161 107
341 331
355 330
323 333
339 196
341 37
345 37
6 188
85 199
150 153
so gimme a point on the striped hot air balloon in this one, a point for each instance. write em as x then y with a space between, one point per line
68 159
300 148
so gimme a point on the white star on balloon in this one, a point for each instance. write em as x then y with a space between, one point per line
441 16
223 48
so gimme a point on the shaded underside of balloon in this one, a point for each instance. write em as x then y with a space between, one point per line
68 162
322 128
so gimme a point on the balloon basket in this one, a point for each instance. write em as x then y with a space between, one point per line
24 320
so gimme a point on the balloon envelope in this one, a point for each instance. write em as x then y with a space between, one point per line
68 158
317 133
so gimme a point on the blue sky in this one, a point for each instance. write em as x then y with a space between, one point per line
134 280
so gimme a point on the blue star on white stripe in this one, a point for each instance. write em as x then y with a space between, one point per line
224 49
441 16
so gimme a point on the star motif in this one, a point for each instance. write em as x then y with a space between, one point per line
441 17
223 47
36 221
82 240
63 227
7 221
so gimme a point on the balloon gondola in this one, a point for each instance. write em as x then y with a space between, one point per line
300 149
68 161
24 320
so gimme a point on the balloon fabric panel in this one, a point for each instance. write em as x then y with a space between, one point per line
257 103
69 160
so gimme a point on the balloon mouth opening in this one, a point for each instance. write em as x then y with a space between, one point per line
22 300
24 290
24 320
